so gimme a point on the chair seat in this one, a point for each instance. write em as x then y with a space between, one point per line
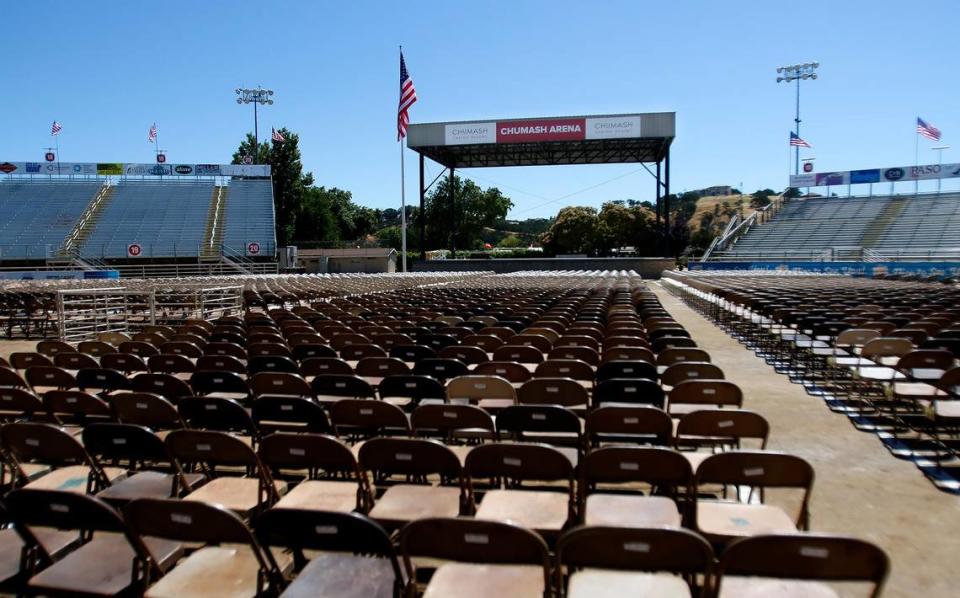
322 495
237 494
222 571
465 580
73 478
103 566
145 484
758 587
620 510
601 583
533 509
913 389
733 520
878 372
406 502
343 576
10 546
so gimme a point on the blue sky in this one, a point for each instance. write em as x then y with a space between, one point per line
108 70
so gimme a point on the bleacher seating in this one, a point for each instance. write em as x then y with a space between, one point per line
37 216
249 216
166 219
898 227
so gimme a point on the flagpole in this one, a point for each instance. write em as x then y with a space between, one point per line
56 139
916 161
403 205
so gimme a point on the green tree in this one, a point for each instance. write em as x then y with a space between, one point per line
289 180
315 221
474 209
511 242
760 198
573 231
618 223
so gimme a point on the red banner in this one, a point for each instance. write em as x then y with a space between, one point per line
558 129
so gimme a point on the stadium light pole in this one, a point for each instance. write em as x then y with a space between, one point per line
255 97
939 149
788 74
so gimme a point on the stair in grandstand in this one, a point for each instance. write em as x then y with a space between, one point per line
876 229
70 247
216 217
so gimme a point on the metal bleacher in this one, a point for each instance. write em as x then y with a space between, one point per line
925 227
249 216
166 219
35 217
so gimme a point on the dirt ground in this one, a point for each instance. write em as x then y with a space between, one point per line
860 488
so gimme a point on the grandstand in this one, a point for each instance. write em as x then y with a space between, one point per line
215 220
921 227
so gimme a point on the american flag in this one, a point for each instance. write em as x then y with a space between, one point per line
408 95
152 135
277 136
795 140
55 128
927 130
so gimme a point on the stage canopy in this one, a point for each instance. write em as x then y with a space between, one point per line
547 141
596 139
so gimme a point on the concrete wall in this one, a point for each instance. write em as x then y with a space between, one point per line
647 267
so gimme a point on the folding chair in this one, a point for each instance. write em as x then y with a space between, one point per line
565 392
666 472
357 419
796 564
243 485
354 556
696 394
489 392
289 414
414 459
229 562
628 391
111 561
646 563
221 415
748 474
628 424
330 388
169 387
484 558
546 510
407 390
324 469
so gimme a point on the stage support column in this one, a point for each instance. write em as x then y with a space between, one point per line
453 216
666 202
659 182
423 217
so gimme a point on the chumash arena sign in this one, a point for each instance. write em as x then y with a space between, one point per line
544 129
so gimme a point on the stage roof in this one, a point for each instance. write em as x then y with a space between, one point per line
594 139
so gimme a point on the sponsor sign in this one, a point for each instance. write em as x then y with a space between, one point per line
134 250
183 169
893 174
865 176
33 167
557 129
253 248
832 178
8 167
49 156
161 158
808 167
245 170
470 133
207 169
613 127
109 168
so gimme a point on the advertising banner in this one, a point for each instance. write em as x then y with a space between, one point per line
468 134
558 129
134 169
893 174
613 127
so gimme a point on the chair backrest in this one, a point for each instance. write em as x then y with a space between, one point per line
472 541
75 361
166 363
221 363
624 368
661 467
380 367
629 390
646 425
295 414
440 368
321 366
204 383
49 445
145 409
368 418
42 376
102 379
443 420
518 461
521 419
565 368
719 393
690 370
284 384
586 354
167 386
215 413
340 385
518 353
124 362
19 403
410 456
76 405
553 391
11 379
679 354
805 557
886 347
672 550
721 427
508 370
475 388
